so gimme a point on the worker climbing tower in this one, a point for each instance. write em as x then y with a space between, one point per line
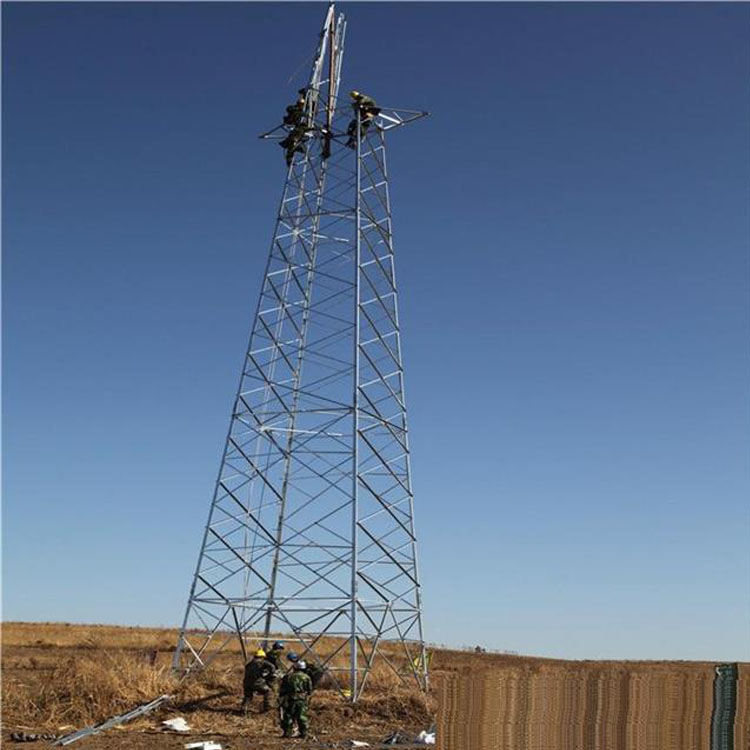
310 532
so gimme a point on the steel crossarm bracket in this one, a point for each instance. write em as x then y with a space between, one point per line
394 118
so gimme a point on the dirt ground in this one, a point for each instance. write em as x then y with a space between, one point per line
59 677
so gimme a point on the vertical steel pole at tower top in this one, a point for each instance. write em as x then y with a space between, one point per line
310 532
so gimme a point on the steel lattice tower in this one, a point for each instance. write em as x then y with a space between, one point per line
311 526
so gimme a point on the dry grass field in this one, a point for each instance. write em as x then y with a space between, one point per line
59 677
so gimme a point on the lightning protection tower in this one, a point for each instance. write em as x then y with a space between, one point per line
310 532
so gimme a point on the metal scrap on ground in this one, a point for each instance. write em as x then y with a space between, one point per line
114 721
178 724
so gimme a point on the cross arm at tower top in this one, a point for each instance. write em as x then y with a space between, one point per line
394 118
387 119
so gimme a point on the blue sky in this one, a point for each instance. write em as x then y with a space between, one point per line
572 236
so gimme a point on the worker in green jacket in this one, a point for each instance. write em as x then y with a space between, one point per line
368 111
292 144
295 113
294 697
295 121
257 679
274 656
314 672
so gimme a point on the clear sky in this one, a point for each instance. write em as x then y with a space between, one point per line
572 234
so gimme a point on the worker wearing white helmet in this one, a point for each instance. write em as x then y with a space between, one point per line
294 695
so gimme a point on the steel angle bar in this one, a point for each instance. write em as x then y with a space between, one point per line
391 507
204 662
409 656
397 117
386 421
402 593
387 274
386 508
379 337
114 721
381 379
375 644
385 463
375 339
386 552
379 587
380 259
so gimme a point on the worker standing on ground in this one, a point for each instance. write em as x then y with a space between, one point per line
259 674
294 696
368 111
313 671
274 656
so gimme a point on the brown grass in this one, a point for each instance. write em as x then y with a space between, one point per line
85 689
57 675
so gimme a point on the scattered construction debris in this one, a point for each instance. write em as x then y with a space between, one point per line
399 738
114 721
396 738
425 738
177 724
208 745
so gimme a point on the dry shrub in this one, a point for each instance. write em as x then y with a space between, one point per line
86 690
408 705
217 678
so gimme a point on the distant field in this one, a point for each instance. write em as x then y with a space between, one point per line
57 677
